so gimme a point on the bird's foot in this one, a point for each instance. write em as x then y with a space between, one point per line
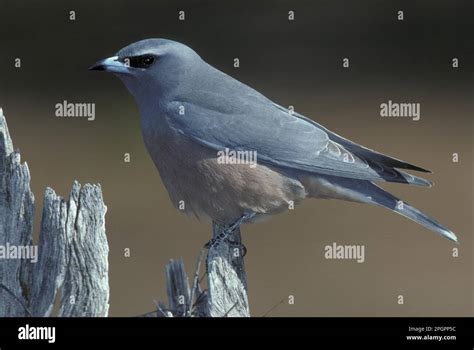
216 241
228 231
242 220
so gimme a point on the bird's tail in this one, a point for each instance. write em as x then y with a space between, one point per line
387 200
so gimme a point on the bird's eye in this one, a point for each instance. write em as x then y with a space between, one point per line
144 61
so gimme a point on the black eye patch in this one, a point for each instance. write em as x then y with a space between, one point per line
143 61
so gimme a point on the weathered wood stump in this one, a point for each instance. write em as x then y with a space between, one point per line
226 295
72 252
72 255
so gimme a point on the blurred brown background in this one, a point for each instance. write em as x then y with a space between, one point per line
295 63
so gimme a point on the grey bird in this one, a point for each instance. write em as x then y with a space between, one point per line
191 113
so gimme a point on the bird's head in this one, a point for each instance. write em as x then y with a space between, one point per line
151 66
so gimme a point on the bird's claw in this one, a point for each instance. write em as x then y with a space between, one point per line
228 231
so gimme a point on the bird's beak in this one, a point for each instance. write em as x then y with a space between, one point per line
111 64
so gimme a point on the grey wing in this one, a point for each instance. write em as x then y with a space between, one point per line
362 151
280 139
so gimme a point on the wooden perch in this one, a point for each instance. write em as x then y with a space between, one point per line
227 280
73 255
72 248
16 222
227 283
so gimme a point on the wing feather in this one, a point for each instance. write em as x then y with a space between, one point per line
279 138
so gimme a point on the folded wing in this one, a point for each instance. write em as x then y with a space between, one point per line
284 139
